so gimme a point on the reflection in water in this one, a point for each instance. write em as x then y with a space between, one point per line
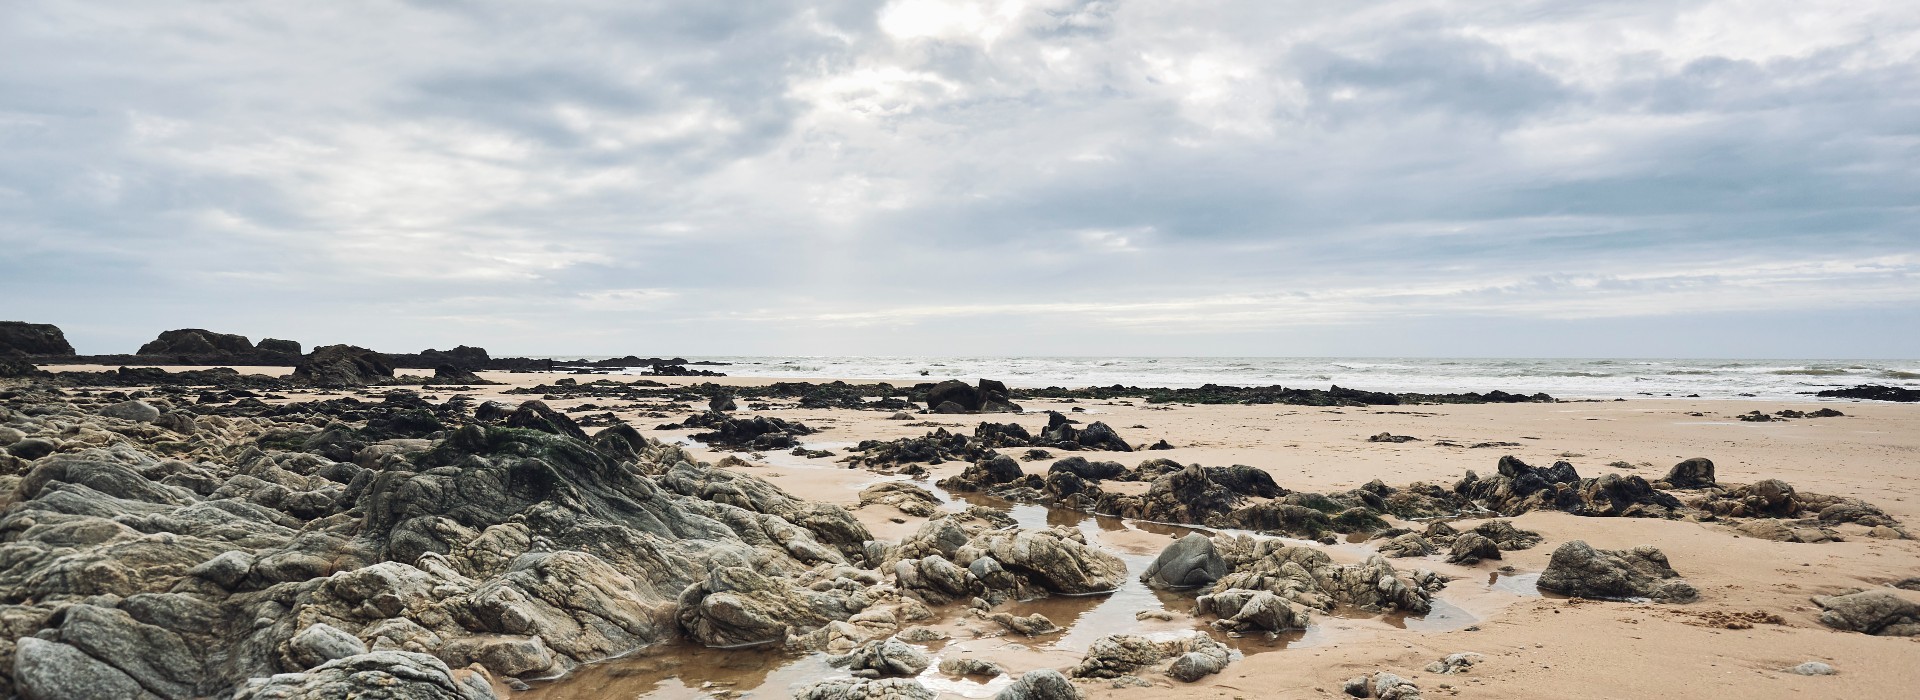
1517 584
685 670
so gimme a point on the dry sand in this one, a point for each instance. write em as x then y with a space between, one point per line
1535 647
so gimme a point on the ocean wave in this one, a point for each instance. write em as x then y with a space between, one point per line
1898 374
1811 372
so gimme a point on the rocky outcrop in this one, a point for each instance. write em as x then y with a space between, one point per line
1518 487
1884 613
336 366
1192 658
1691 474
1060 433
1873 392
265 556
1041 684
989 471
865 689
196 342
1577 569
20 338
757 433
954 396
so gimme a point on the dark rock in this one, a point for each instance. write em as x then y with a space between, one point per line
1576 569
336 366
277 346
1472 547
1873 392
196 341
1691 474
1881 612
20 338
1190 562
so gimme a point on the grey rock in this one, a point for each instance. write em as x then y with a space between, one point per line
1471 548
1041 684
1812 668
138 411
1879 612
889 657
1455 663
1577 569
1190 562
31 448
864 689
318 644
44 670
969 666
381 674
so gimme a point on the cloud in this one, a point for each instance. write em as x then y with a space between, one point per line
750 177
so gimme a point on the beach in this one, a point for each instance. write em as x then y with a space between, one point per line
1536 646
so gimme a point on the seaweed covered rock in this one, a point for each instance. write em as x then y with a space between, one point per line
1577 569
992 469
757 433
1690 474
1098 436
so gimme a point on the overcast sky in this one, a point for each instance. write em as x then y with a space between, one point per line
932 177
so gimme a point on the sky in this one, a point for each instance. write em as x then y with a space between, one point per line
1718 178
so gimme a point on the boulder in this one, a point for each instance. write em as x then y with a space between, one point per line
137 411
887 657
1691 474
1058 559
1577 569
1882 612
1472 547
1041 684
196 341
1189 562
337 366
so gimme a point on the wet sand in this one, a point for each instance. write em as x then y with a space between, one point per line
1536 646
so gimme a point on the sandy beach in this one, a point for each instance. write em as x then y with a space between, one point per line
1535 645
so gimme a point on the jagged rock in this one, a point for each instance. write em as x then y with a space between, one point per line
1041 684
1030 626
1118 655
1058 559
865 689
44 670
342 366
990 470
1098 436
277 346
1577 569
969 666
1880 612
1472 547
18 338
1240 609
196 341
1409 544
1799 531
758 433
318 644
385 674
1309 578
1455 663
1387 686
906 496
1691 474
1507 537
737 606
888 657
1189 562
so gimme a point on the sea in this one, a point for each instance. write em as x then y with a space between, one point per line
1595 378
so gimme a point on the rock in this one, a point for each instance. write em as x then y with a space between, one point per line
1507 537
1118 655
1242 610
989 471
277 347
318 644
336 366
449 374
1387 686
44 670
1472 547
379 674
1691 474
137 411
1811 668
1877 612
888 657
1040 684
1872 392
1455 663
19 338
721 403
196 341
969 666
1189 562
1358 686
1410 544
865 689
1030 626
31 448
907 497
1058 559
737 606
535 415
1193 666
1390 437
1577 569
